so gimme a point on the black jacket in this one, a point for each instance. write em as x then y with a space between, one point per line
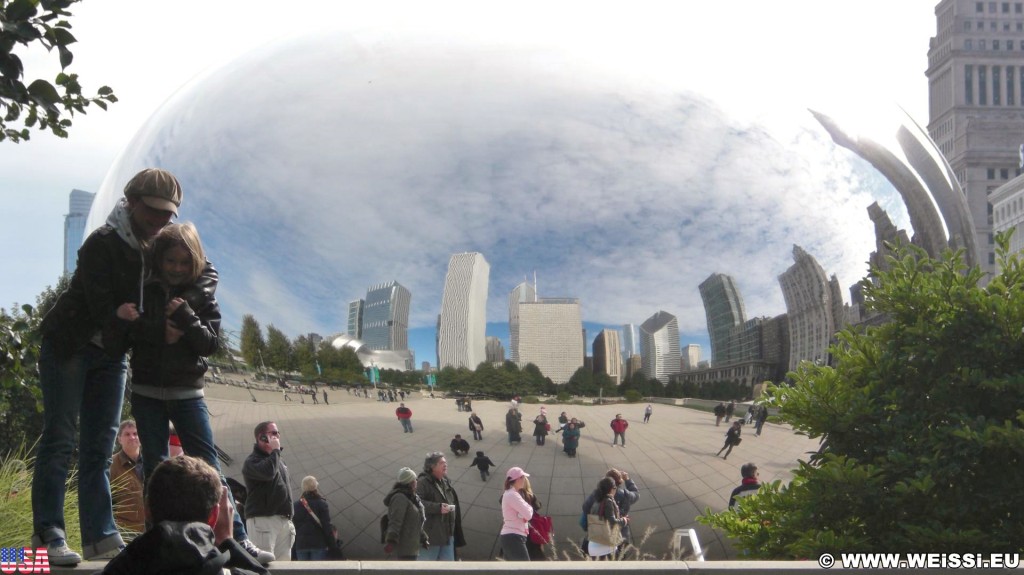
266 480
308 534
108 274
155 362
178 548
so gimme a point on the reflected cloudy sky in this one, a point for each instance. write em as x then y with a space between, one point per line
315 168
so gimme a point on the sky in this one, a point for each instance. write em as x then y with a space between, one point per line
752 67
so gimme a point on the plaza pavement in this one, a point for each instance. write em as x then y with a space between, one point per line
355 447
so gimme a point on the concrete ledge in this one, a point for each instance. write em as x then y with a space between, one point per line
547 567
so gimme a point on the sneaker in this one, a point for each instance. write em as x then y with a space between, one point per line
263 557
61 555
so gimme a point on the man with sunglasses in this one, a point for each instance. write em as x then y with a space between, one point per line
268 505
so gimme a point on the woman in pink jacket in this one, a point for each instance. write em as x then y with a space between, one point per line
516 514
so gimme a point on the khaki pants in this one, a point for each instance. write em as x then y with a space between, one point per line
274 534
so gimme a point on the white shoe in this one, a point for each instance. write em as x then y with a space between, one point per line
262 557
61 555
109 554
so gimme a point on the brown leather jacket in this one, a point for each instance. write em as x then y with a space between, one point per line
127 491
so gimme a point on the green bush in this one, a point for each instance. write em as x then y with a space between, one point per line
531 399
563 397
633 396
921 423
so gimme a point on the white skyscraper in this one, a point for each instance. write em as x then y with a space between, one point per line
659 346
691 355
79 203
523 292
551 337
461 339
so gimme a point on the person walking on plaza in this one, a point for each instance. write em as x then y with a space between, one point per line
311 514
406 518
126 479
325 397
762 416
515 514
404 415
82 384
719 413
647 413
750 414
570 439
441 504
729 409
476 425
626 494
484 464
514 425
732 439
540 428
748 486
268 503
619 426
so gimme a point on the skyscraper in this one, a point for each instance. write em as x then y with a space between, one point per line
723 308
691 355
607 357
463 321
814 314
659 346
79 203
355 318
495 351
976 95
385 322
629 347
523 292
551 336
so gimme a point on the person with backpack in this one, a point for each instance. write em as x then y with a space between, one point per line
402 527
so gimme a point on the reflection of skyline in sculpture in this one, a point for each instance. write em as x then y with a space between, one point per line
385 316
934 200
616 192
401 360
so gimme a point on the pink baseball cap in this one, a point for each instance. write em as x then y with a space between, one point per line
515 473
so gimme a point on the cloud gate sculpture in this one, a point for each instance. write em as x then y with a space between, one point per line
316 167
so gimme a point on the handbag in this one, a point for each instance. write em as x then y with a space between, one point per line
600 530
541 529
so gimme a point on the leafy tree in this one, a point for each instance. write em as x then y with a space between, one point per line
921 423
44 106
279 353
253 344
21 404
303 356
339 364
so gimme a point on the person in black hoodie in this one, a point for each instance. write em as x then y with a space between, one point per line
191 530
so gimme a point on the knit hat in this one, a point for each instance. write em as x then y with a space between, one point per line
406 475
309 483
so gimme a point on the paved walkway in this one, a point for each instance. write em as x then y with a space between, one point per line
355 446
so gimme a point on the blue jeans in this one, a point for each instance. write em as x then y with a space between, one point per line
444 552
87 388
191 421
406 425
311 554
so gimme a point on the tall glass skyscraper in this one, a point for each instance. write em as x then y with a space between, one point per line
524 292
629 346
355 318
462 325
79 203
723 308
607 358
659 346
386 317
814 306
